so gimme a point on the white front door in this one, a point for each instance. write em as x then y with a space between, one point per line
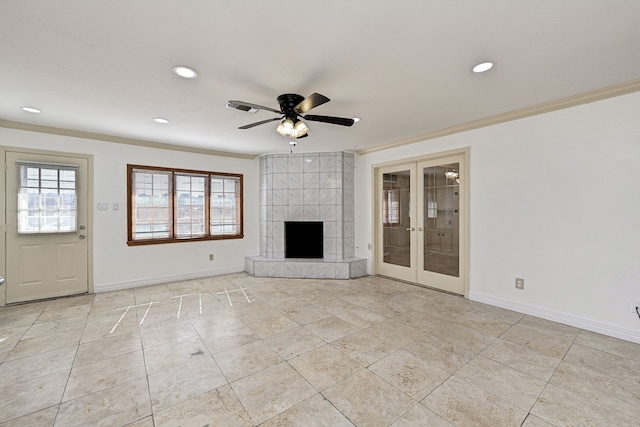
421 220
47 218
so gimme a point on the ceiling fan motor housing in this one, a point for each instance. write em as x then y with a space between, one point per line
288 102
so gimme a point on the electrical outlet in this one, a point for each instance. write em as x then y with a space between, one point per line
210 257
519 283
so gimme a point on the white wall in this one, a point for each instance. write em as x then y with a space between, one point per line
555 199
117 265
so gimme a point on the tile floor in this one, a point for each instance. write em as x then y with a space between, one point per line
365 352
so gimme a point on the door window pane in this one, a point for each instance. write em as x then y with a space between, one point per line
46 200
396 218
441 227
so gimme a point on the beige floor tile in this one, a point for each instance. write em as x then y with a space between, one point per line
396 332
513 386
31 367
109 323
363 347
386 308
616 390
325 366
44 344
31 395
268 322
462 336
219 407
271 391
106 348
422 320
331 328
42 418
144 422
294 342
561 407
419 415
367 400
180 383
68 302
177 353
166 332
118 405
440 354
489 322
53 326
226 338
64 313
360 317
93 377
616 346
533 421
313 412
522 359
9 337
245 360
21 315
462 403
305 314
550 344
409 373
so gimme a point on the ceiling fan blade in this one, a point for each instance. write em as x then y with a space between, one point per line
311 101
260 123
246 106
342 121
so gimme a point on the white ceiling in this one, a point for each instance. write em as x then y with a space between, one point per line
403 67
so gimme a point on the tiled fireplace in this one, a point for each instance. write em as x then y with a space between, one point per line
315 187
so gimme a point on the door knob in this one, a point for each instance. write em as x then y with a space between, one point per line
419 228
411 229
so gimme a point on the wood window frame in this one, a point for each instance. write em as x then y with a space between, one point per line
172 206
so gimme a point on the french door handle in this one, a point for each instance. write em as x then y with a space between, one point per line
411 229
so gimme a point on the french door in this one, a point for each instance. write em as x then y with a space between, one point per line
421 222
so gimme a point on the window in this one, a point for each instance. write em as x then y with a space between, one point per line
176 205
47 198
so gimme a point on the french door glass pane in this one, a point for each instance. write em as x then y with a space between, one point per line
441 226
396 218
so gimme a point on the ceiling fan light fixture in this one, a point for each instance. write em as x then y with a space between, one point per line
299 130
185 72
285 127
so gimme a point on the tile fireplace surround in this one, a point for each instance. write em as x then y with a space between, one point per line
307 187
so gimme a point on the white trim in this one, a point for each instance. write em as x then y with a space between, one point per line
117 286
560 317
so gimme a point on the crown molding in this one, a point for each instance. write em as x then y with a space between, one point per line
547 107
118 139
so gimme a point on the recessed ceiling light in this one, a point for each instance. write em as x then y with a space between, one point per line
31 110
185 72
161 120
482 67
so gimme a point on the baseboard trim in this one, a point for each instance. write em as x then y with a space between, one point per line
117 286
556 316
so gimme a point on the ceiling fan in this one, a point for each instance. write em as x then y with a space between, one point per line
293 108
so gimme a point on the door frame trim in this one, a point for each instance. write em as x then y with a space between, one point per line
376 208
3 219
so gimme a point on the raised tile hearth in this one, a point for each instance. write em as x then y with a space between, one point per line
307 187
